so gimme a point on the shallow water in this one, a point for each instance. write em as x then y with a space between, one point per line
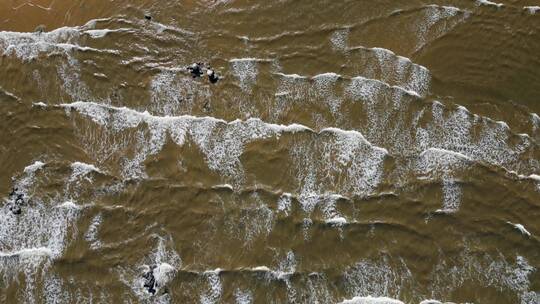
356 151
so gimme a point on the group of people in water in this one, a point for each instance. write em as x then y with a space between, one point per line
16 201
198 69
150 280
150 283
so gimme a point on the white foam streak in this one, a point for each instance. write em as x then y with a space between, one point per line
164 273
34 167
521 228
215 288
223 186
246 70
260 269
371 300
81 169
339 39
373 85
532 9
39 104
28 46
337 221
69 205
41 251
535 177
442 152
293 76
243 297
92 233
353 134
96 34
9 94
489 3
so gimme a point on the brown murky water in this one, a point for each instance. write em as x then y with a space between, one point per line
357 151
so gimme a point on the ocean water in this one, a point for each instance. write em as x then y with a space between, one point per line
368 152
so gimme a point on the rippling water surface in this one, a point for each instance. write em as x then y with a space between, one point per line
352 151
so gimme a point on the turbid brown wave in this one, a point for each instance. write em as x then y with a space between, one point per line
371 152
